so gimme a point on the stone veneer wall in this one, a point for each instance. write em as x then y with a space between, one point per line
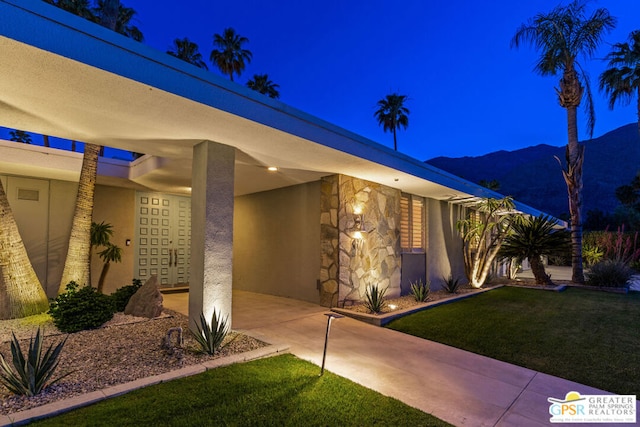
349 266
329 204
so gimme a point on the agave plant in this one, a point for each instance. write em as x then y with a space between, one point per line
420 291
210 335
451 284
33 373
375 298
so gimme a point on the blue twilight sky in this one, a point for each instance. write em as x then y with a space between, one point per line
469 92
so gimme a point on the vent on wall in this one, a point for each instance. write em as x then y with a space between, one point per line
26 194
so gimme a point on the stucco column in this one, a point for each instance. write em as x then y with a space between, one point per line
210 280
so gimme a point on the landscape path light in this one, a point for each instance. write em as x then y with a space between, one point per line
330 317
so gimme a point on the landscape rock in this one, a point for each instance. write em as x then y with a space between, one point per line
634 283
147 301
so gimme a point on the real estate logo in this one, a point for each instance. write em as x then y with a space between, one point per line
577 408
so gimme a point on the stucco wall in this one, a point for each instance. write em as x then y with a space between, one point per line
115 206
444 256
45 225
276 246
62 204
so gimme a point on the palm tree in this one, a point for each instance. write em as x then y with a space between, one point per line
188 51
262 84
561 36
21 293
80 8
392 114
229 56
114 15
111 253
533 237
621 82
100 236
76 265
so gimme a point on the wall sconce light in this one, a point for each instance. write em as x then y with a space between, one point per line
358 223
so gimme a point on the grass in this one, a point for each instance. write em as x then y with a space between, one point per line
585 336
279 391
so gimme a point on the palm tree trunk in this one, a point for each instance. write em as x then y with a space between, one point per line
395 140
573 179
103 276
76 266
537 268
109 15
21 293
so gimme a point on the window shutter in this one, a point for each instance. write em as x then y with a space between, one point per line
417 224
404 223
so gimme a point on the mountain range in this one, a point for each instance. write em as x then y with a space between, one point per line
533 176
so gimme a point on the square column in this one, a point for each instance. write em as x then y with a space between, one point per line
210 282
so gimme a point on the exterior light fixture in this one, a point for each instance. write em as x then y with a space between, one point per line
330 317
392 306
272 169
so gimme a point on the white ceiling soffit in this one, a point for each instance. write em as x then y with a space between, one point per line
76 80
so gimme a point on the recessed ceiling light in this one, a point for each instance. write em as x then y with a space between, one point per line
272 169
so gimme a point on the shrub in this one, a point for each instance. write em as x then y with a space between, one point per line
122 295
592 254
451 285
420 291
609 273
79 309
33 373
375 298
620 246
210 335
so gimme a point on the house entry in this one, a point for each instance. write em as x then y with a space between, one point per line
163 238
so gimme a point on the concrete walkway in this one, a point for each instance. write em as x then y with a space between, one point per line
462 388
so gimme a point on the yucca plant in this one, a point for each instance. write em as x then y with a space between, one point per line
211 335
420 291
451 284
33 373
375 298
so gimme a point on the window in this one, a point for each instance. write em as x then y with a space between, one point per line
412 223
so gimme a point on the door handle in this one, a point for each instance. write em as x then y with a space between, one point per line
175 257
170 255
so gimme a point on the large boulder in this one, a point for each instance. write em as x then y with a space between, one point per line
147 301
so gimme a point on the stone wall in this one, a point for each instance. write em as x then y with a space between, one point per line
329 204
349 264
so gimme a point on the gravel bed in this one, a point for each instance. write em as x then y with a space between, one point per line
125 349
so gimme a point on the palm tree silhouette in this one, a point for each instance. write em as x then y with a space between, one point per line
230 57
392 114
621 82
188 51
262 84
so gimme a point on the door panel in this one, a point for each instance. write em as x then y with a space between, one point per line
163 237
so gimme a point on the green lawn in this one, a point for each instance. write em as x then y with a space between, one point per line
585 336
279 391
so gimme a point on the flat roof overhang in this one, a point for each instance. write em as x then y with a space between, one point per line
67 77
